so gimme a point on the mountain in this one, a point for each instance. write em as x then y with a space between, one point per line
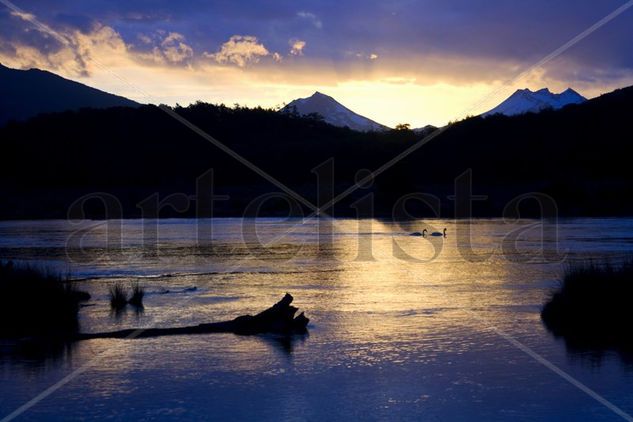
26 93
424 130
49 166
332 112
526 101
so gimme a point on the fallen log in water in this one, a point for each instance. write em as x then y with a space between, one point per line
280 319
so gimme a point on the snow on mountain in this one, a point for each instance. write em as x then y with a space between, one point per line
332 112
526 101
425 130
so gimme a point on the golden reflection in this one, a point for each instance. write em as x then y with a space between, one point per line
428 286
349 281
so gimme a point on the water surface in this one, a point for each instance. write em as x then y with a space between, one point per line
401 327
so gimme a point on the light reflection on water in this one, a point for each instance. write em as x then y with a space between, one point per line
389 339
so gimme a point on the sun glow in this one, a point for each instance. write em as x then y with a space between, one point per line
433 89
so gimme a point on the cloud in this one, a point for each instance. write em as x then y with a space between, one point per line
174 48
360 55
432 57
312 18
38 26
163 47
68 51
100 47
144 39
296 47
240 50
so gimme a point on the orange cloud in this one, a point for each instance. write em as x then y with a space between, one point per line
240 50
296 47
418 89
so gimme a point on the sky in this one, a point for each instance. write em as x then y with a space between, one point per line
399 61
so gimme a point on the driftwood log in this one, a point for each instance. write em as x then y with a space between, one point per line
278 319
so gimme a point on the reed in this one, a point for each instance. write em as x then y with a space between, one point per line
37 302
593 304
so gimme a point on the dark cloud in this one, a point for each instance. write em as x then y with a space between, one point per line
340 31
15 31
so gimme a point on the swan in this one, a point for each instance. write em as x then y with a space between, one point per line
437 234
416 234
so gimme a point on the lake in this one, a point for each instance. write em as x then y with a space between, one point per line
402 327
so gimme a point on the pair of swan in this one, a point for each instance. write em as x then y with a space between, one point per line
434 234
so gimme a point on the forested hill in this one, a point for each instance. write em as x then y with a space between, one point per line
26 93
578 155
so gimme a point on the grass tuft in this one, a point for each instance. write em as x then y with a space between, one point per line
592 307
138 292
118 296
37 302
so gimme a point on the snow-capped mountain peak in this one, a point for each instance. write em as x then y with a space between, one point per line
332 112
571 97
527 101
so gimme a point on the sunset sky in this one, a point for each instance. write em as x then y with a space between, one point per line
399 61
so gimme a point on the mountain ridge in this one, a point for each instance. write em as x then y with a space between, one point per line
527 101
136 153
26 93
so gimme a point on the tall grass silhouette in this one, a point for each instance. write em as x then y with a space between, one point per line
593 305
37 302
